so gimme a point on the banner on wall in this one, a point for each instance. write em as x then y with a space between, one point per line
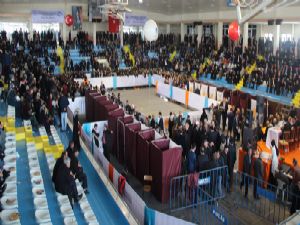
133 20
204 90
46 16
219 96
78 17
212 92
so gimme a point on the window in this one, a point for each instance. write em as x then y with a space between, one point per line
268 37
11 27
225 29
39 27
132 29
286 37
190 29
252 31
208 30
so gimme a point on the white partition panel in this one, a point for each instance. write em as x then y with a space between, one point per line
179 95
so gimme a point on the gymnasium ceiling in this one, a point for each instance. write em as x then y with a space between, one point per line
169 7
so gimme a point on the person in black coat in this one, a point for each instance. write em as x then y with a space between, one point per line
231 161
258 174
77 170
171 125
67 182
107 142
160 123
188 137
224 108
76 131
59 162
197 137
246 171
230 117
202 160
152 121
71 149
203 116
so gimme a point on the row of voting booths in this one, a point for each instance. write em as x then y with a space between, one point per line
137 147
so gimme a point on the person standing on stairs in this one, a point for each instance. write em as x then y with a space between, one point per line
63 103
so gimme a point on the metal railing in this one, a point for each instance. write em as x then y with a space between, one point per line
209 198
194 189
272 203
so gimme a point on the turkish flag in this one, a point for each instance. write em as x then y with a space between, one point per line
113 24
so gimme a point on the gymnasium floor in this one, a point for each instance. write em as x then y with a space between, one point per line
148 103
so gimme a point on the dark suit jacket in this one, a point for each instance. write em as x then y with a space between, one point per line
247 164
258 169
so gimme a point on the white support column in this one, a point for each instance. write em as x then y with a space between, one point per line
182 31
276 35
168 28
199 34
121 35
245 35
94 34
30 30
220 34
64 32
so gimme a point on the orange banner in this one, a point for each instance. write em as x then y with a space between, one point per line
187 94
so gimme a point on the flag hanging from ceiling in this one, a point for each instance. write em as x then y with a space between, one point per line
113 24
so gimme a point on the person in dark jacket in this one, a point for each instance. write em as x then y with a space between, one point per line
230 118
63 103
203 116
77 170
59 162
76 131
258 174
246 171
231 161
202 160
107 142
67 184
71 149
192 159
188 137
171 125
160 123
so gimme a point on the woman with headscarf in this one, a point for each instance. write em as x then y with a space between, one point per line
274 167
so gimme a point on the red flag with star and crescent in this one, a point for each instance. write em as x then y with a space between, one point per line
113 24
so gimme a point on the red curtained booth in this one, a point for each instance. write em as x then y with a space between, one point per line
131 131
112 125
144 139
89 104
121 136
97 108
165 163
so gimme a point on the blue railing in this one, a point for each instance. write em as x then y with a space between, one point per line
211 197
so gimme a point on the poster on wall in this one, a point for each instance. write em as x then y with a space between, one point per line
78 17
47 16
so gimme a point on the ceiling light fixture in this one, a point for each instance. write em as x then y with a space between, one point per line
141 1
